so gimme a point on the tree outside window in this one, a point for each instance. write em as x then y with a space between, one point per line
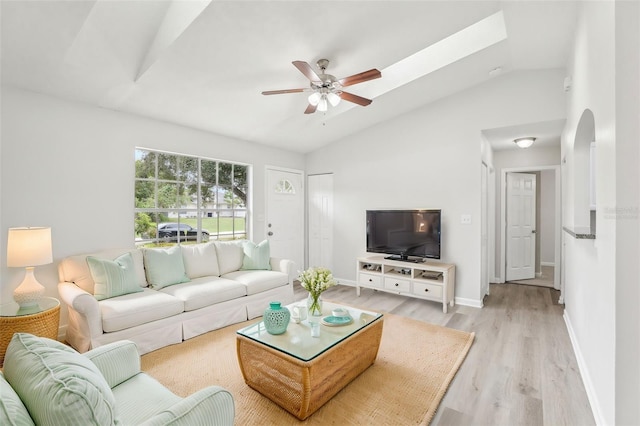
184 199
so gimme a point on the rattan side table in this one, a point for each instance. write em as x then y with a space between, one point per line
41 320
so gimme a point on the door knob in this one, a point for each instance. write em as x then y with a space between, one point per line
533 231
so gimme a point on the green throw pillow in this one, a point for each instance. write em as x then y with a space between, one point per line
56 384
256 256
164 267
113 277
12 410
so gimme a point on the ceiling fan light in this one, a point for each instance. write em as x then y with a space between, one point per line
322 105
524 142
314 98
334 99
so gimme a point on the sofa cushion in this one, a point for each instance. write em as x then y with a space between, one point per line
206 291
56 384
258 281
74 269
256 256
164 267
113 277
230 255
12 410
200 260
134 309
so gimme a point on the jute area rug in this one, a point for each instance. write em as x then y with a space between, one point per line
415 364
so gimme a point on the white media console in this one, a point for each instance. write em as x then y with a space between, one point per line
431 281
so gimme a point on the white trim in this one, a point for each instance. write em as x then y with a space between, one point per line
558 218
346 282
584 373
474 303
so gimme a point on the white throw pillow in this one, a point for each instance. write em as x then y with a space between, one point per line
230 255
200 260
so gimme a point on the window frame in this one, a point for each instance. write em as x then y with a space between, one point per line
184 212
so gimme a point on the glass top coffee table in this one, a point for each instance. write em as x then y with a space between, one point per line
301 373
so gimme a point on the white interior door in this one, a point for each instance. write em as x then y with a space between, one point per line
521 220
285 214
320 211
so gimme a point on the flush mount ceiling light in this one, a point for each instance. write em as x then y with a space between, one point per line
524 142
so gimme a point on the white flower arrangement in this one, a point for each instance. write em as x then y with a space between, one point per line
316 280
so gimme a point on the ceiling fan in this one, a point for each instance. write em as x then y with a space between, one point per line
326 89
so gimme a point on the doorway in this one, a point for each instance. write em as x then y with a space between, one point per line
521 241
552 181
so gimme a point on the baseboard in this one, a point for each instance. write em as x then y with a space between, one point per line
474 303
343 281
584 373
548 264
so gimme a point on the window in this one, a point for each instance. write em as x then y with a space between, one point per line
185 199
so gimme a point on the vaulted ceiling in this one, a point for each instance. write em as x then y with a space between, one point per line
204 64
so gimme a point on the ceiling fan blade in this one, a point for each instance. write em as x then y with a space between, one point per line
360 78
310 109
355 98
280 92
306 69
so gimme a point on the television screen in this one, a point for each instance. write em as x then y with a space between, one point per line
403 234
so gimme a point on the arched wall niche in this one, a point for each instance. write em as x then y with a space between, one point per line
584 174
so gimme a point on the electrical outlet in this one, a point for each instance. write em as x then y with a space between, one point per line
465 219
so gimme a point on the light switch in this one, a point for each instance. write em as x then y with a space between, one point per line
465 219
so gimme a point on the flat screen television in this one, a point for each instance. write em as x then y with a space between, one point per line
407 235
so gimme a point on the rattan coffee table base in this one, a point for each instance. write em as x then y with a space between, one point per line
303 387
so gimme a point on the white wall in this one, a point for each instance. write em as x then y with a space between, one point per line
431 158
628 219
547 216
71 167
601 275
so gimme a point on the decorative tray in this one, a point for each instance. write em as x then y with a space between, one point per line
333 321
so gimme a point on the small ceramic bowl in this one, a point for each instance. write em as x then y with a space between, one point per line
340 312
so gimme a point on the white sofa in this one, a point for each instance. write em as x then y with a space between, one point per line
219 293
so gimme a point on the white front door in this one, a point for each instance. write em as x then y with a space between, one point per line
521 230
320 211
285 215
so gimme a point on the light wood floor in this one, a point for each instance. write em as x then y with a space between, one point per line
521 369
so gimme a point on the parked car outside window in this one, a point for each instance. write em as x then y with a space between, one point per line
170 231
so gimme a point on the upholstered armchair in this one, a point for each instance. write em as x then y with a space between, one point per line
45 382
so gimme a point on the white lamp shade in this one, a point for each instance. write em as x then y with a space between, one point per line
29 247
314 98
322 105
334 99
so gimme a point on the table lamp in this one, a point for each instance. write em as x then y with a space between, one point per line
29 247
